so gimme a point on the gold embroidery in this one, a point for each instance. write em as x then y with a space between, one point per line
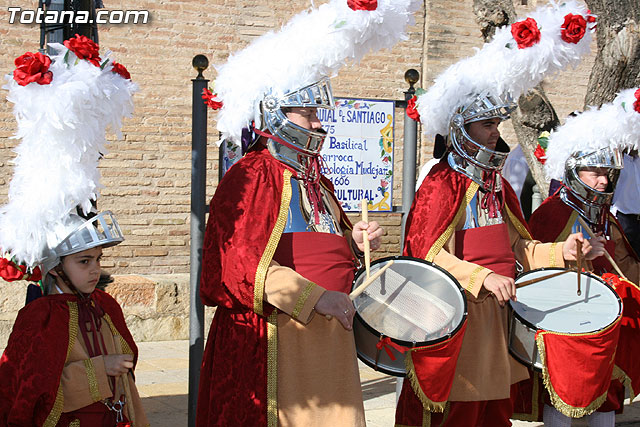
474 277
522 230
444 237
56 410
276 233
552 255
124 346
272 369
75 423
303 299
428 404
426 418
92 379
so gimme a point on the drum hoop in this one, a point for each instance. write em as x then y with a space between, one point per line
412 344
586 273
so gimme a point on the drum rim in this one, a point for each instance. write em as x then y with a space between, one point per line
587 273
413 344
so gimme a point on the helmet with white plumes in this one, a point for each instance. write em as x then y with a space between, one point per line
62 114
594 139
485 85
295 65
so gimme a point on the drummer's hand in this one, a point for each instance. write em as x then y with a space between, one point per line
374 231
337 305
591 248
503 287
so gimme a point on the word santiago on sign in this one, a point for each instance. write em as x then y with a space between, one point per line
358 152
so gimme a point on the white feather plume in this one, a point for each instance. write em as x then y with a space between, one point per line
62 128
615 125
501 68
312 45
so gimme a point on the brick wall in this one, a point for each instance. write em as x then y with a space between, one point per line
147 174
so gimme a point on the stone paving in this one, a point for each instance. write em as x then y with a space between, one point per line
162 378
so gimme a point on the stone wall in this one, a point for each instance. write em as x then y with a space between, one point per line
147 174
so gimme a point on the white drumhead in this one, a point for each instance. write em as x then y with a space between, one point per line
413 301
554 305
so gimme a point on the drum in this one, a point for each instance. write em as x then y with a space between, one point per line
554 305
413 303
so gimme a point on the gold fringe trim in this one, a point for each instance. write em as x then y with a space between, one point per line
428 404
58 404
556 401
522 230
303 299
444 237
92 379
625 379
267 255
272 369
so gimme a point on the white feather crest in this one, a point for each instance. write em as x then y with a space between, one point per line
62 128
615 124
312 45
501 68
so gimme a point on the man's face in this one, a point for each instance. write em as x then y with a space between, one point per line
596 178
305 117
485 132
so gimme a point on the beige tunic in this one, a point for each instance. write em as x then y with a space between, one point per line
318 377
485 370
84 380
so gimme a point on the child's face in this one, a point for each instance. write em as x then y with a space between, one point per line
82 269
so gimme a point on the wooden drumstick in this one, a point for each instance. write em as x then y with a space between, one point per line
606 254
360 289
579 261
540 279
365 237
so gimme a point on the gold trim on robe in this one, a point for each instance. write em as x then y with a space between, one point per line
272 369
270 250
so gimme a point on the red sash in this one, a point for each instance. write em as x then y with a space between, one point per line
489 247
323 258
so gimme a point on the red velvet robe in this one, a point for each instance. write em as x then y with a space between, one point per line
31 365
241 237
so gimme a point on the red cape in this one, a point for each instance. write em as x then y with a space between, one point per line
32 363
246 220
437 203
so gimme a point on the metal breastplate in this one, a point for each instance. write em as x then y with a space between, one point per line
300 218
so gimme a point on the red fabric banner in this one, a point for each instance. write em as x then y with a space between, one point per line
431 369
577 368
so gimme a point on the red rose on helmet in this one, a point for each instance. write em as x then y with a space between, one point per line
636 104
120 69
573 28
411 109
209 100
84 48
525 33
540 154
32 67
9 271
36 275
362 4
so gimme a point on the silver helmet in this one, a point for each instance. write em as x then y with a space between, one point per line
76 234
300 143
470 157
591 204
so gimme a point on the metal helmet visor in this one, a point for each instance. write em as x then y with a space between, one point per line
606 158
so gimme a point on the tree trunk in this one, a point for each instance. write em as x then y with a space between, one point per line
535 113
617 64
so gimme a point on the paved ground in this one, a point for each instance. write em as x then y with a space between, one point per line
162 378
